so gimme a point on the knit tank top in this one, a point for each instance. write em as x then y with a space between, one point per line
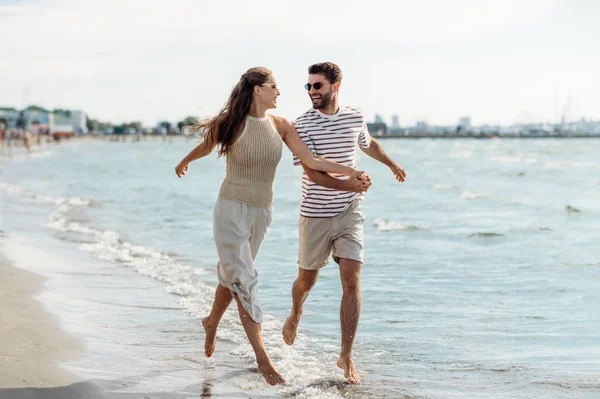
251 164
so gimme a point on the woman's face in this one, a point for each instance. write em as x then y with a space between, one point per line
268 93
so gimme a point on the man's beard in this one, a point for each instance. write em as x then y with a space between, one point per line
326 100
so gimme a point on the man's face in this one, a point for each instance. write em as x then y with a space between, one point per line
323 96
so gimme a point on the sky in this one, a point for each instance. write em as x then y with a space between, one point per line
496 61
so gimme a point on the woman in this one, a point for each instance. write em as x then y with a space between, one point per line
251 140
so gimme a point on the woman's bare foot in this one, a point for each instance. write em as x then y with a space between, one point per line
271 375
211 337
346 363
290 328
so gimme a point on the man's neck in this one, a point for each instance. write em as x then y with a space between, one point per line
332 108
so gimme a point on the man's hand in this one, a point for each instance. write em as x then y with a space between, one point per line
375 151
398 172
358 182
180 169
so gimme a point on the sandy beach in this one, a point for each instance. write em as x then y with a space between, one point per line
32 345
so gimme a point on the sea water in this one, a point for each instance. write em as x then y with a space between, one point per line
480 279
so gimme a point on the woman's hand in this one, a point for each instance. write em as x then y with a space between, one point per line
359 182
180 169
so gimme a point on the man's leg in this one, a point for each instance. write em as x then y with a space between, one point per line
302 286
349 314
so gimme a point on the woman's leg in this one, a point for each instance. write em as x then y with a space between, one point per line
239 232
254 333
221 303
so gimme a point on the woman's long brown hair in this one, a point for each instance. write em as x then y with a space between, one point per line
229 120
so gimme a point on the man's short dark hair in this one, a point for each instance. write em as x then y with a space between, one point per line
332 72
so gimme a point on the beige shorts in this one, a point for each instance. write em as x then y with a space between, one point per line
239 231
342 234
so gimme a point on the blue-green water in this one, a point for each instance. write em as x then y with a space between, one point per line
480 279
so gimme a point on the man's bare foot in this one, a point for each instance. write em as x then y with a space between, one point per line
211 337
346 363
290 328
271 375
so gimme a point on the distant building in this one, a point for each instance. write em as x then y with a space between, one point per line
67 120
35 115
377 129
395 122
8 117
464 125
422 127
379 119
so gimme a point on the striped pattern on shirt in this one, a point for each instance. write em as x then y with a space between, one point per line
332 137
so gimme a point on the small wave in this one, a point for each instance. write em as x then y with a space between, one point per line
384 225
134 306
542 228
468 195
525 201
582 384
465 154
334 388
570 164
47 199
486 235
444 187
594 265
506 159
570 209
12 189
518 174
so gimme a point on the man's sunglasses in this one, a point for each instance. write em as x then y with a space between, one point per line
316 85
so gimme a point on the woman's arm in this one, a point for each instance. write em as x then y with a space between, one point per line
201 150
358 182
298 147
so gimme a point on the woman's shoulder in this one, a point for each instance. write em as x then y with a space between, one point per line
280 121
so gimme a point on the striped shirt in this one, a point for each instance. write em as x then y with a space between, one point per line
332 137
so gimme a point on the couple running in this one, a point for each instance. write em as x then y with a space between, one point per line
323 141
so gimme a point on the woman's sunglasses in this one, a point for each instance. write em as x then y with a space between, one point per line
271 85
316 85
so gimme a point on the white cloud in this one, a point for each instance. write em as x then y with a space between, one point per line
134 59
77 28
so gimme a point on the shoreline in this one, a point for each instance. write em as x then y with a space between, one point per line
32 343
6 150
33 348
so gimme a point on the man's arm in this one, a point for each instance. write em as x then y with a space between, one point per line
375 151
358 182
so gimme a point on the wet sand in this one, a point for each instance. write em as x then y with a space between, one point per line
32 344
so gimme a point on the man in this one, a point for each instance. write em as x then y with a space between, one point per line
331 219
